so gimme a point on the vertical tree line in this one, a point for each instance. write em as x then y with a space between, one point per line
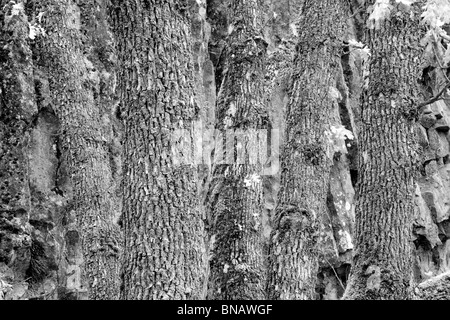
102 195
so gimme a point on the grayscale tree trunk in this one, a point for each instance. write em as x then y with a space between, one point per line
61 105
163 221
305 159
237 269
387 160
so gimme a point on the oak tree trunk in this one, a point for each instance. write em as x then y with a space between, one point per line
163 222
382 265
237 263
48 76
70 61
305 158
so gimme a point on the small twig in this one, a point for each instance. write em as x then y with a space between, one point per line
444 36
357 10
435 98
335 273
438 96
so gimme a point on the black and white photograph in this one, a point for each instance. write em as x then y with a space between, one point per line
221 156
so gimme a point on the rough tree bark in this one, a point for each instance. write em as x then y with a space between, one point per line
382 266
45 64
236 200
70 81
305 160
163 223
437 288
17 110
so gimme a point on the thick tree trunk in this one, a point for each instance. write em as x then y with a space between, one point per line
237 264
382 266
70 61
306 160
164 230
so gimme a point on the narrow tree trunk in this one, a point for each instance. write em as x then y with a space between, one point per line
93 240
237 264
17 110
382 266
164 231
305 159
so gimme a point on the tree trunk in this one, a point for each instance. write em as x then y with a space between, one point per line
306 159
79 77
163 226
237 264
17 110
382 266
66 242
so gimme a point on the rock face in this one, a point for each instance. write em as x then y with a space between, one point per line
431 229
